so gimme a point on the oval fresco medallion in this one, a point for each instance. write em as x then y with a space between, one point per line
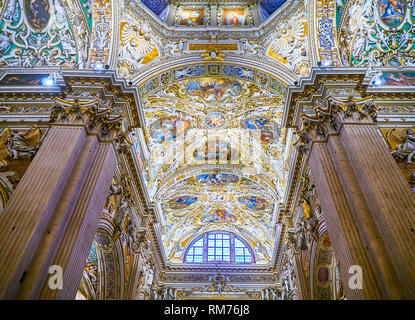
392 12
219 215
254 202
38 13
181 202
269 129
168 128
215 150
217 178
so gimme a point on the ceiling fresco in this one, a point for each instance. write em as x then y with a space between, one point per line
215 160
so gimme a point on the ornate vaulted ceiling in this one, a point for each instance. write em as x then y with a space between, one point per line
213 152
216 160
212 78
212 75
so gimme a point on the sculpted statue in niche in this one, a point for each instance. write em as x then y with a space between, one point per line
164 293
5 43
171 294
271 293
179 250
131 51
406 150
412 181
302 235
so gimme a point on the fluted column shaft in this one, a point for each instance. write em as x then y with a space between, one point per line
388 196
371 239
359 182
76 243
32 205
341 226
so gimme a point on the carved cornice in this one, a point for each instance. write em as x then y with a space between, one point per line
317 86
205 276
86 85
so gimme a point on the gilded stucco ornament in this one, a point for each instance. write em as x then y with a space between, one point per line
48 34
90 114
327 120
378 33
18 145
290 45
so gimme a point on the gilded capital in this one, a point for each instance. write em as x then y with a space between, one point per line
90 114
328 119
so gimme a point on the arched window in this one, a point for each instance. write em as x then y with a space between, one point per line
219 247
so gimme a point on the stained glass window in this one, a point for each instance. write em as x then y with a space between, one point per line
219 247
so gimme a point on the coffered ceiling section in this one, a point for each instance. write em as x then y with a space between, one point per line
215 151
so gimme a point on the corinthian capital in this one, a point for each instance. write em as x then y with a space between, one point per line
353 110
90 114
328 119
